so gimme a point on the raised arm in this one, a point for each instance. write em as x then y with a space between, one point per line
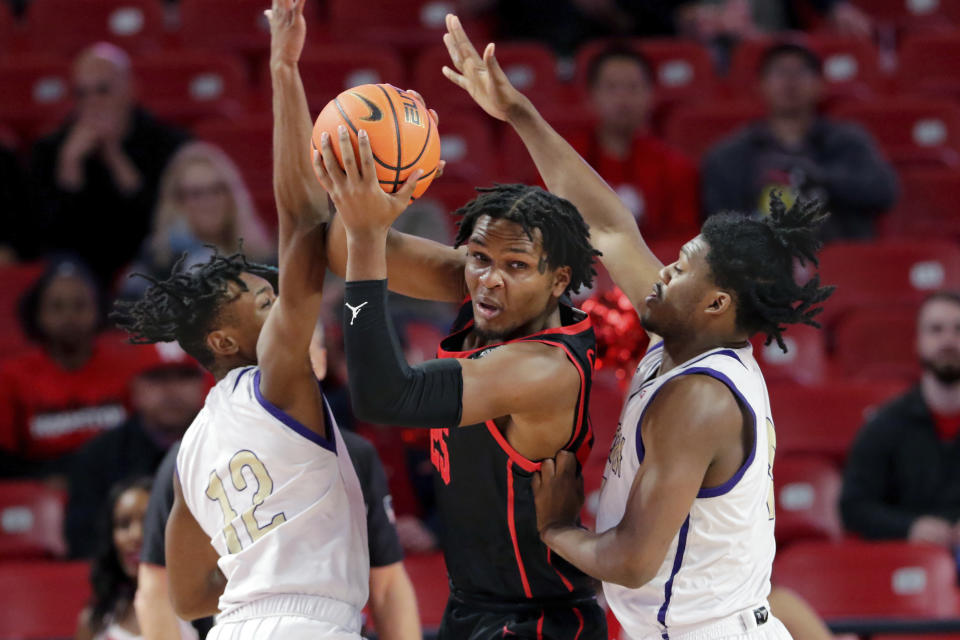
287 379
516 378
613 230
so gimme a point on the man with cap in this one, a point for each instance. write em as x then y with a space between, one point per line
165 397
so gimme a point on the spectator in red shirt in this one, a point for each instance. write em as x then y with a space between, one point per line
655 181
902 479
72 386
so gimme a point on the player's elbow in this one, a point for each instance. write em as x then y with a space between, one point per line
635 570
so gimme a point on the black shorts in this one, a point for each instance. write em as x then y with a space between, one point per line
582 619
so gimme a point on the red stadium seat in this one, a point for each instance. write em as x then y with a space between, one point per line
422 340
927 65
15 279
887 272
187 86
8 28
824 419
450 194
683 70
531 67
877 343
36 92
31 520
697 127
428 572
42 600
67 26
913 14
249 143
913 132
330 69
807 490
859 579
466 144
235 26
804 362
606 401
570 121
927 205
850 67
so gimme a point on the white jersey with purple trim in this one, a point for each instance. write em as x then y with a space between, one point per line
719 562
281 504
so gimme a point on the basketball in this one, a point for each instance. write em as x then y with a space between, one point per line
403 134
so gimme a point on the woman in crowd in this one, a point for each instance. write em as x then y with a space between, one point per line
202 201
110 614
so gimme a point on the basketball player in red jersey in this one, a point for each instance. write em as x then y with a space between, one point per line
514 376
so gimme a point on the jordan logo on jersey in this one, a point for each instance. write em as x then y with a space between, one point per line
354 310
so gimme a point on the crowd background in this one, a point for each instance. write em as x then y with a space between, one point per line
133 132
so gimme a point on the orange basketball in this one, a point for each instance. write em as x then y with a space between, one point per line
403 134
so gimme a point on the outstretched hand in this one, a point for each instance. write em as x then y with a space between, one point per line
481 77
355 190
288 30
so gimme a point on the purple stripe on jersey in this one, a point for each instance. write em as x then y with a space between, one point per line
240 377
726 487
293 423
655 347
668 588
726 352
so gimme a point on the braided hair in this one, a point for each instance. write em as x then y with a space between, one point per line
186 306
754 259
566 237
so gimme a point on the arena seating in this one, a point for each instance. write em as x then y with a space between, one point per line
927 65
31 520
467 145
881 272
823 420
912 131
67 26
805 361
697 127
877 342
860 579
428 572
186 86
807 490
42 600
913 14
248 141
36 92
329 69
926 207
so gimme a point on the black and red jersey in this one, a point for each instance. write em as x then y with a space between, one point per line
484 494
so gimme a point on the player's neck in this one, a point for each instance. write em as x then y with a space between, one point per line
547 320
678 351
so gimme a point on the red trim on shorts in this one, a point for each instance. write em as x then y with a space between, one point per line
540 627
580 618
563 579
511 524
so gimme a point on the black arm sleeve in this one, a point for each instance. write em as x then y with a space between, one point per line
383 387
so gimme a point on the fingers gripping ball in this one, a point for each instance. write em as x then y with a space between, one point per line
403 134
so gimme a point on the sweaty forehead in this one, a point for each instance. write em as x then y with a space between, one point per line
491 232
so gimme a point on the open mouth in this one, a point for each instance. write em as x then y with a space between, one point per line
657 291
486 309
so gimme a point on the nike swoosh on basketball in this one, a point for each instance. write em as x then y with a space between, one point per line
375 113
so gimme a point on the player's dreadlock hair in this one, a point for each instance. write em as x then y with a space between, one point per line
754 259
566 237
186 306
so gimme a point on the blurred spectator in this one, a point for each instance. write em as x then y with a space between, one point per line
165 398
799 152
12 209
569 23
73 385
903 474
95 179
202 201
655 181
709 20
113 575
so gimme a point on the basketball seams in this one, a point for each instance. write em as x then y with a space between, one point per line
396 128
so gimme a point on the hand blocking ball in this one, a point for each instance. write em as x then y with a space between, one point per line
403 134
